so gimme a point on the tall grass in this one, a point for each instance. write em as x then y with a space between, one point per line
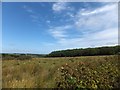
67 72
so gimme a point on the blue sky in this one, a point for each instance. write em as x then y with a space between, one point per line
42 27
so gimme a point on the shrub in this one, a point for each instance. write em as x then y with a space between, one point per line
98 75
15 57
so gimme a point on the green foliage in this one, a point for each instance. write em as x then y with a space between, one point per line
93 72
15 57
86 52
102 74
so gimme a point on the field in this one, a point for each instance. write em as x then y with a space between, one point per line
64 72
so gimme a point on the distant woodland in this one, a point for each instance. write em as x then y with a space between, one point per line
113 50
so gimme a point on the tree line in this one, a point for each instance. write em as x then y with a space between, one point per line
112 50
15 57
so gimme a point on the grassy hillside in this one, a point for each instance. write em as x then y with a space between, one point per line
64 72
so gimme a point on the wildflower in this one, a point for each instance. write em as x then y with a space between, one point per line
66 64
71 77
62 67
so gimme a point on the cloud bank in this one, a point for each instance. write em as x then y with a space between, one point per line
99 26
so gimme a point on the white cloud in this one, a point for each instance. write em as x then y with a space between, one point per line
99 10
28 9
48 21
91 22
34 16
106 37
106 34
59 6
98 26
70 14
59 32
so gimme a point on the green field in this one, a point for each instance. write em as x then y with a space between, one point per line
64 72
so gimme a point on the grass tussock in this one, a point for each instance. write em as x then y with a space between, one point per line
68 72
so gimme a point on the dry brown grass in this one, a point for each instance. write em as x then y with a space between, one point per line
39 72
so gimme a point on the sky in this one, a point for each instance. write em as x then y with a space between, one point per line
43 27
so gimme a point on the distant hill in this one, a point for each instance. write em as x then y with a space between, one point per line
111 50
19 56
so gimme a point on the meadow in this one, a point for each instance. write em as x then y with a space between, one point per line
62 72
